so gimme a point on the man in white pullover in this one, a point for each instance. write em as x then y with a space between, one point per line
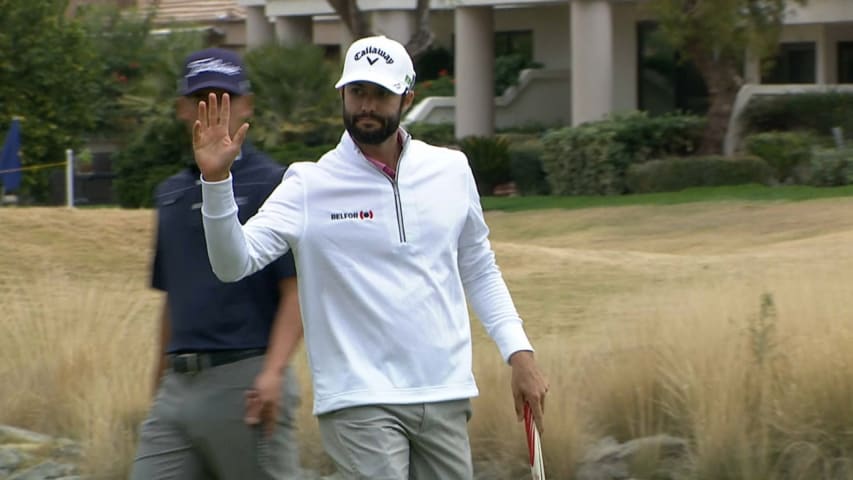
389 239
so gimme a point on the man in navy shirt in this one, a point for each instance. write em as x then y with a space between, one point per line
225 398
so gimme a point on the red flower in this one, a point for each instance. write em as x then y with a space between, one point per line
443 72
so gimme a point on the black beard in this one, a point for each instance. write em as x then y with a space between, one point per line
371 137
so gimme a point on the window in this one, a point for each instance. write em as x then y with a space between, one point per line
332 52
795 63
514 42
509 43
666 83
845 62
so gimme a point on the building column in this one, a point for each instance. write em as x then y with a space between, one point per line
752 69
625 57
474 71
592 60
259 29
294 30
396 24
827 57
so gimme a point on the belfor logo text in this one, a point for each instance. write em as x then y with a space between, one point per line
359 215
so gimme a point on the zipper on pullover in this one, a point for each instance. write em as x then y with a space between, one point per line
398 205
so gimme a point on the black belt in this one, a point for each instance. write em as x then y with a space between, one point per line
194 362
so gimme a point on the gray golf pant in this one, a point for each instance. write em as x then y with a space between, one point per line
196 430
427 441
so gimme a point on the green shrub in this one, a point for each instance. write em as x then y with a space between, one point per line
489 159
529 128
440 134
520 137
814 112
832 167
591 159
294 98
434 62
784 151
161 148
526 168
311 131
159 145
443 86
507 69
678 173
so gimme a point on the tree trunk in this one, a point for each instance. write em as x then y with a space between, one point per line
352 17
423 37
723 81
357 23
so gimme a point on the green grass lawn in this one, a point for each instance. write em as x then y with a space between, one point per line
703 194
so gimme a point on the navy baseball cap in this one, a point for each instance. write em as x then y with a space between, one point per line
214 68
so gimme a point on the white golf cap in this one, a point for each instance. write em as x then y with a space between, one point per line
378 60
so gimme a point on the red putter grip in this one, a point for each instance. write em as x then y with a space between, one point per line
534 445
528 428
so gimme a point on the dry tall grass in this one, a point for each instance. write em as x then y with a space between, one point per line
726 324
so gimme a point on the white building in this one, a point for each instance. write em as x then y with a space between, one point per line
599 56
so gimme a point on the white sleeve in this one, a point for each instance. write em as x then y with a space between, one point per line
484 285
235 250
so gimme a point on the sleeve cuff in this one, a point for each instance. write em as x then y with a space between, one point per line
217 198
511 338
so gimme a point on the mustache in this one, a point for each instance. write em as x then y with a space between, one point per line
370 116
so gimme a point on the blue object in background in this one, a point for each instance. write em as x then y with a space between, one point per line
10 158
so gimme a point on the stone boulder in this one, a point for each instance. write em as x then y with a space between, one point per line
26 455
610 460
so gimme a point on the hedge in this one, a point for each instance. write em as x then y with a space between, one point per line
678 173
593 158
783 151
526 168
831 167
814 112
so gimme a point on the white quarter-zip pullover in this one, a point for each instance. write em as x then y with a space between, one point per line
384 267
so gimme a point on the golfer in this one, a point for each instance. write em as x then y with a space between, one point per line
389 239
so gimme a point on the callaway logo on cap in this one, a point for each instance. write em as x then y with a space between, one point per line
378 60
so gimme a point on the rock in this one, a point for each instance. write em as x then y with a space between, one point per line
314 475
615 470
9 434
664 446
10 460
47 470
606 448
27 455
67 448
608 460
482 471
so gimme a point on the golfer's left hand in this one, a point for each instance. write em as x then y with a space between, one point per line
528 385
263 401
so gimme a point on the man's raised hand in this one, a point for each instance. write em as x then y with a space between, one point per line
213 147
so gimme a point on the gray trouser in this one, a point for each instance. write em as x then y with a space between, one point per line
196 430
425 441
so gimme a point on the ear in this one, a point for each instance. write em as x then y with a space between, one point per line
408 98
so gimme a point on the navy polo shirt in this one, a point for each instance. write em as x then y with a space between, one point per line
205 313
